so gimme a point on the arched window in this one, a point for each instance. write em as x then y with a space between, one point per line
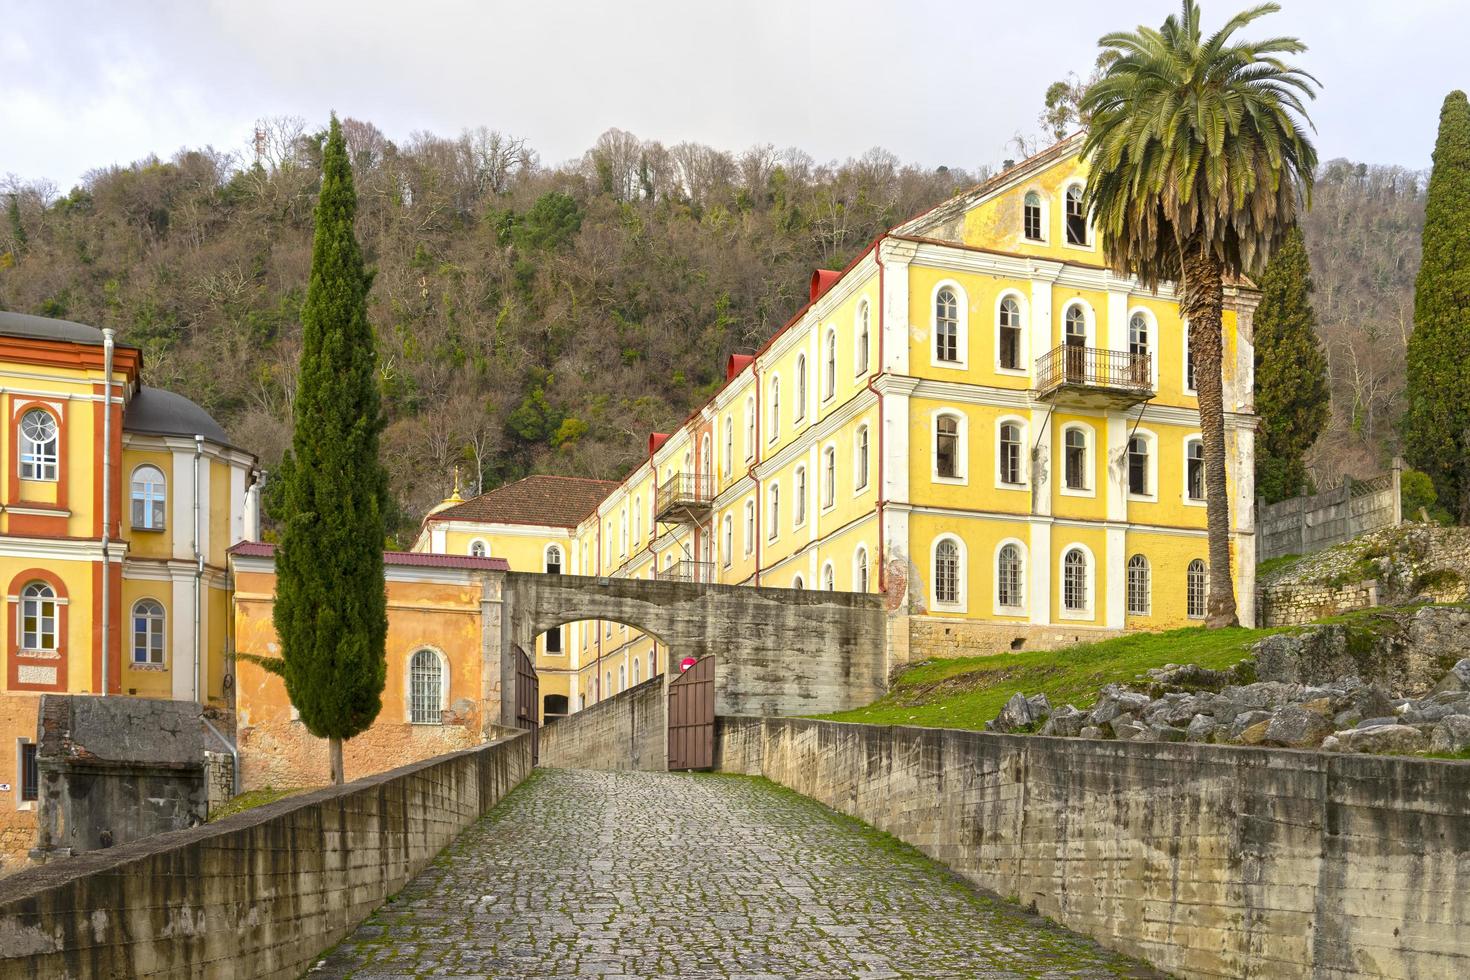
553 560
829 476
38 617
1031 212
622 677
749 526
860 458
1074 581
706 464
1138 466
750 427
947 447
775 410
946 326
1138 340
38 445
478 549
729 444
1009 590
1009 339
425 688
800 411
1140 588
829 386
638 519
1010 454
607 687
637 672
1197 584
1076 324
799 503
860 569
1076 216
148 632
148 498
775 499
947 572
1074 453
861 352
1194 469
829 578
729 547
798 583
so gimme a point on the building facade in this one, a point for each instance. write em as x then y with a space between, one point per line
976 418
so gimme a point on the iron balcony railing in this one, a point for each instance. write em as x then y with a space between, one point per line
702 572
1092 367
683 497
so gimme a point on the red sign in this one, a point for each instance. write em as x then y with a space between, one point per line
686 663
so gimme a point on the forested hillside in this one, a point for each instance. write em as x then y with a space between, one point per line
546 318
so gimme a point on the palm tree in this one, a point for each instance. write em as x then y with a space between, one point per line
1199 155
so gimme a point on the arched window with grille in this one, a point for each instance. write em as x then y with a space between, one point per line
39 439
425 688
38 617
1009 577
148 633
1032 217
1008 337
860 569
149 498
1197 585
1076 216
946 326
1140 586
1074 581
947 572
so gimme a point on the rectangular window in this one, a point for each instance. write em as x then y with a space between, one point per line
947 448
553 640
30 773
1010 348
1138 468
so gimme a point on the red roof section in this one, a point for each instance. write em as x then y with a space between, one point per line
257 549
545 501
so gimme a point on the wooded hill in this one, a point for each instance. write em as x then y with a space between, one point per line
546 318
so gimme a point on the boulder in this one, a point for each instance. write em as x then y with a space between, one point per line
1125 728
1458 679
1247 719
1189 676
1253 734
1378 722
1160 732
1420 712
1370 701
1015 716
1452 734
1201 729
1040 707
1331 744
1382 739
1090 731
1297 726
1064 722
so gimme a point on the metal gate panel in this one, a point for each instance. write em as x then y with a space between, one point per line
528 700
692 717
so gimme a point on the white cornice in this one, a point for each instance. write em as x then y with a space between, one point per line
60 549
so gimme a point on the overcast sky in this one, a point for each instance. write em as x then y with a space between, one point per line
86 84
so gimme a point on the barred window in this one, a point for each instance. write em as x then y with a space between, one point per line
38 445
1032 213
1140 599
1074 581
1194 471
30 773
1008 576
1138 466
1075 458
147 632
148 498
1010 453
1197 584
946 326
947 572
425 688
38 617
1010 334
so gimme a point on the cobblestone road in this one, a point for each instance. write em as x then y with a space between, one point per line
656 875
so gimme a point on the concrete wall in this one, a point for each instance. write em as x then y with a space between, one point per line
627 731
259 894
1302 525
1208 861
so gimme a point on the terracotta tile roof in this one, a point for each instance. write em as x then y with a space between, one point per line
551 501
256 549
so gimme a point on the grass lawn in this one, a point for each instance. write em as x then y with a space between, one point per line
254 798
966 692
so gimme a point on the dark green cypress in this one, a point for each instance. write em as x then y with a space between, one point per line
331 606
1437 421
1292 398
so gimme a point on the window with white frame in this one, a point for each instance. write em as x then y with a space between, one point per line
774 495
38 445
729 545
1008 336
798 503
947 584
829 476
425 688
829 366
799 412
750 427
860 353
1076 216
946 326
948 451
729 460
797 582
622 677
1010 470
148 633
553 559
775 421
749 526
623 532
1074 581
860 569
1034 228
1075 323
637 672
1138 466
1197 586
1140 347
479 549
1074 458
1009 577
1194 470
1140 586
706 467
829 578
38 610
637 521
148 497
553 640
860 458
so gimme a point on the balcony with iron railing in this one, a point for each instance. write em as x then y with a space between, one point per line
687 570
683 498
1094 377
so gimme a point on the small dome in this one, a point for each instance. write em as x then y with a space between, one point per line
154 411
47 328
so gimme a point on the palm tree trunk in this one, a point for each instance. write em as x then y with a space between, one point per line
1204 300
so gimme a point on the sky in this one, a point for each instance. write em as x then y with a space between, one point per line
86 85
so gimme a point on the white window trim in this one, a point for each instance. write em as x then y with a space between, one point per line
749 535
1153 340
750 433
997 608
797 582
825 506
482 543
773 511
801 382
962 455
132 655
962 314
799 505
1089 322
1025 483
1045 216
1025 349
1128 586
859 368
962 571
858 489
861 551
1206 614
1089 467
728 541
1184 496
546 555
729 460
1091 245
774 406
829 384
408 685
163 483
1089 583
829 573
1152 439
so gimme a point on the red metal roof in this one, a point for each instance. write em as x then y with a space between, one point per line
257 549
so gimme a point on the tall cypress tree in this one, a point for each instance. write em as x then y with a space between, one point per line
331 605
1437 423
1291 373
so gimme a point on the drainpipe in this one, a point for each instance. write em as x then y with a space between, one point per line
198 564
234 754
107 352
882 422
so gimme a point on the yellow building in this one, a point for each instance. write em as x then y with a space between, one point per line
119 503
976 418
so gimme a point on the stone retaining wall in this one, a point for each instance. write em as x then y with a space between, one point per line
1207 861
627 731
1292 604
259 894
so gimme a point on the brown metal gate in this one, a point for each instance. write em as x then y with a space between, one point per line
528 700
692 717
